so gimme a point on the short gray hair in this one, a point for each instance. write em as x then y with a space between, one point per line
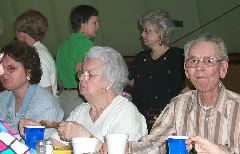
162 21
114 70
207 38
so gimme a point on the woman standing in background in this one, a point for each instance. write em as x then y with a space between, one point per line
31 27
158 73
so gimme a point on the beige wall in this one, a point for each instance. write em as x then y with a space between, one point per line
119 20
228 26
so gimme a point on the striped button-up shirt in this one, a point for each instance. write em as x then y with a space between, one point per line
186 116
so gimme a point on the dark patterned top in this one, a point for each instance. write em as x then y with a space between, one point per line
157 81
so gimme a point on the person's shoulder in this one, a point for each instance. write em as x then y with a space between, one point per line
43 94
4 93
80 111
180 100
64 43
40 47
176 54
183 97
122 108
79 38
44 100
176 50
124 104
235 97
84 106
144 52
80 44
44 55
62 47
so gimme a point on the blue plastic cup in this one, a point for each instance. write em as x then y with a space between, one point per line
177 145
33 134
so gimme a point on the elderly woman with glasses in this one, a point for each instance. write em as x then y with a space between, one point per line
211 111
102 79
23 97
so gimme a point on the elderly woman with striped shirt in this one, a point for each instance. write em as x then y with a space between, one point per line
211 111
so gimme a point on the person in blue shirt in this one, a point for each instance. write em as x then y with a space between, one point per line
23 97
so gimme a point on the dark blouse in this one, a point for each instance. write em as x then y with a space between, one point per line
157 81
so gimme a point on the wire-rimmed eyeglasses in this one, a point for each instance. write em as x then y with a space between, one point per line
207 61
10 68
85 74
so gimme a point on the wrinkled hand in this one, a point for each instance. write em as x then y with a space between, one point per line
26 122
69 129
204 146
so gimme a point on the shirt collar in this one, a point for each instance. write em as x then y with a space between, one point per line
220 101
36 43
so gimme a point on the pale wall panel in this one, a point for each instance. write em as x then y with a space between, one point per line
119 20
228 26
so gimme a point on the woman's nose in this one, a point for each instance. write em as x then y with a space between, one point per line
82 78
201 66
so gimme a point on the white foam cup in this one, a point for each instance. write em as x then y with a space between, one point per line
84 145
116 143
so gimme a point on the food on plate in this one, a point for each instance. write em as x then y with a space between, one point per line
50 124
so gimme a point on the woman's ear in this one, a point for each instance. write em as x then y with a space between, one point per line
186 71
223 69
109 86
83 27
28 72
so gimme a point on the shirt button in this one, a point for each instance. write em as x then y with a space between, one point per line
169 90
156 99
169 71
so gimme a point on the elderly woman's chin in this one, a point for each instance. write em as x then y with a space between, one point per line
82 91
